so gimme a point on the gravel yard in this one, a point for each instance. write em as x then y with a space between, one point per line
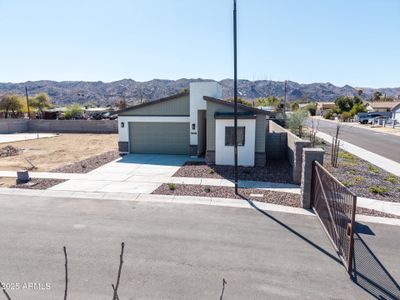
89 164
288 199
273 197
34 183
275 171
362 177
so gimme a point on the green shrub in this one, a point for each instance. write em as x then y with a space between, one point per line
352 172
359 178
212 171
398 189
328 114
379 189
172 186
207 190
392 179
346 116
347 183
346 155
373 169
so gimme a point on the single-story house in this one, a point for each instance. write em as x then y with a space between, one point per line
386 106
322 107
195 123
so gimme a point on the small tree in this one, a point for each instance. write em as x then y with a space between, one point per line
11 103
73 111
40 102
344 103
296 121
311 108
241 101
122 104
294 106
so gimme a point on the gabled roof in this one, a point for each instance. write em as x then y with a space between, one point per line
391 105
240 106
152 102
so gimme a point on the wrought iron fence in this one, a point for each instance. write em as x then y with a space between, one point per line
335 206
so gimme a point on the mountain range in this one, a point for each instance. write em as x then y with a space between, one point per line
109 93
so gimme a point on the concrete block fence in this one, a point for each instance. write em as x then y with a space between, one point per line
281 143
58 126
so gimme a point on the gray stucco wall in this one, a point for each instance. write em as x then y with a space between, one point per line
174 107
295 147
13 126
212 108
61 126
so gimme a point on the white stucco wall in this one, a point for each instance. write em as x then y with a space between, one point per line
197 91
124 132
224 155
396 115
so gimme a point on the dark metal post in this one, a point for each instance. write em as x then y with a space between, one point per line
27 103
284 101
235 92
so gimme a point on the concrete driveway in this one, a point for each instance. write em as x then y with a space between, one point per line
133 173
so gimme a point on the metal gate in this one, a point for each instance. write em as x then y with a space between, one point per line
335 206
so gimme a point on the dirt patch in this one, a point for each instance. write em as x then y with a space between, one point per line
6 182
275 171
54 152
288 199
8 151
87 165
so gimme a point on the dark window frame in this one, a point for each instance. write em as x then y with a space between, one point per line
230 136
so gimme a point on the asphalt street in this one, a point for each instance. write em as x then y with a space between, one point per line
386 145
182 252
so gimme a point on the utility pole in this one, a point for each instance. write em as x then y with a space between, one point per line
235 92
27 103
284 101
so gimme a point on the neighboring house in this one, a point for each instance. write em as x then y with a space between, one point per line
322 107
386 106
194 123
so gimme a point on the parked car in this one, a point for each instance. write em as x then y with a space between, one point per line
367 118
378 120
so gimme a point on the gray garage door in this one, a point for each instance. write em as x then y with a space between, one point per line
159 138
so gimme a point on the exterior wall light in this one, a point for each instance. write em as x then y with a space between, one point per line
193 126
122 124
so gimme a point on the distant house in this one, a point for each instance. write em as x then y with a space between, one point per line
386 106
322 107
195 123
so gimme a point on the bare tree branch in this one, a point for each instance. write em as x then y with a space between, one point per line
121 261
4 291
113 287
223 288
66 274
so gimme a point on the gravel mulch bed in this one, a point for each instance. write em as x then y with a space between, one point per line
280 198
274 171
288 199
38 184
363 178
87 165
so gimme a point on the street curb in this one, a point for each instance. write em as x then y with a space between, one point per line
190 200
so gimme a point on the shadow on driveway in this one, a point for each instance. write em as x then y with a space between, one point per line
156 159
368 271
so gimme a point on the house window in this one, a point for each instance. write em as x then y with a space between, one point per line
230 136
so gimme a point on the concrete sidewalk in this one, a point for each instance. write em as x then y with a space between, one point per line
143 183
214 201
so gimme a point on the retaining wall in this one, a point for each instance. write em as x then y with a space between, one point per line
286 144
58 126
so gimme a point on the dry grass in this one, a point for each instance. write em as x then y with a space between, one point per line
50 153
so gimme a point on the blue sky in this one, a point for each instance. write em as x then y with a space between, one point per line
353 42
